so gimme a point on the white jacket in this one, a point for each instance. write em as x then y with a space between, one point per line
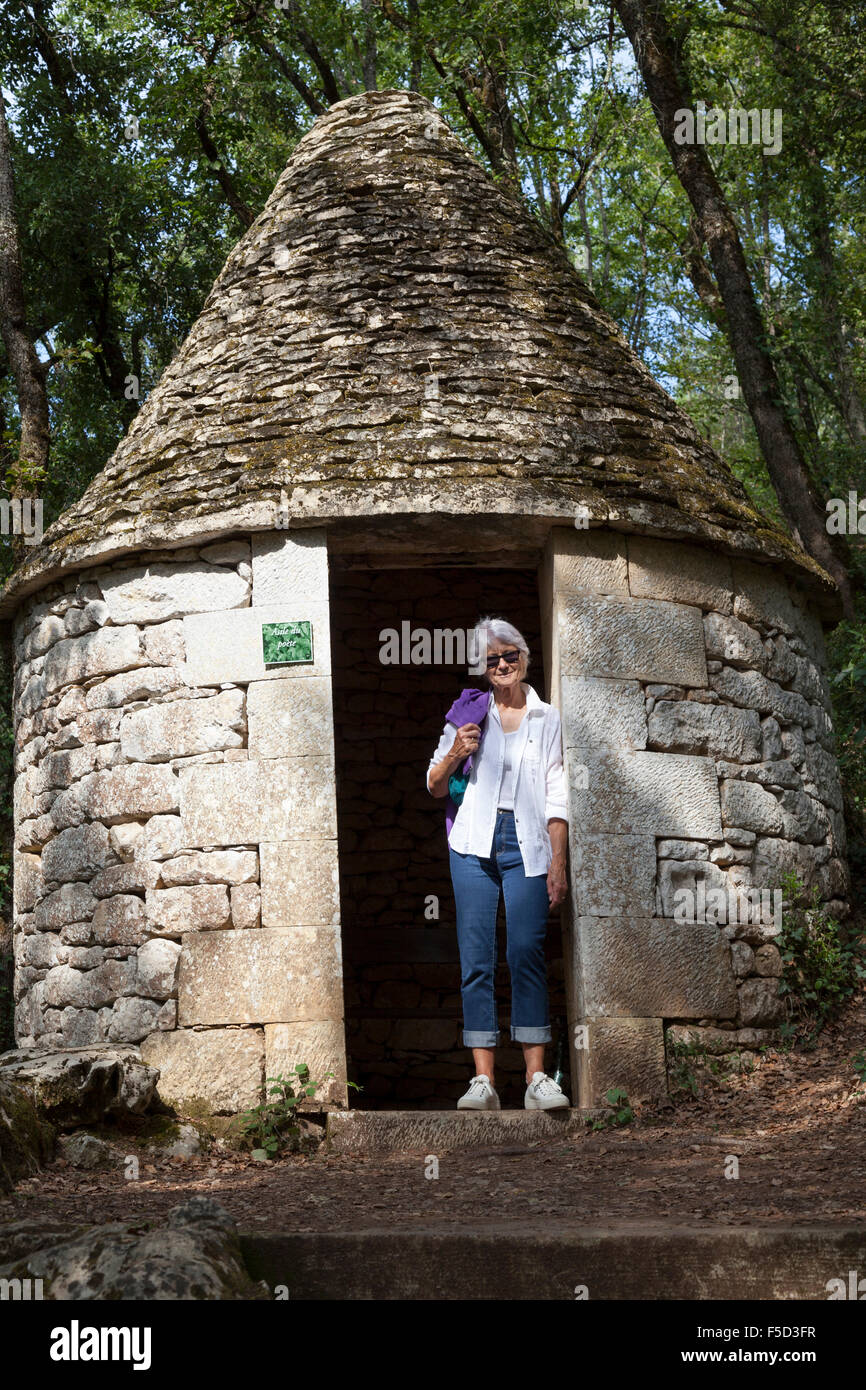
539 783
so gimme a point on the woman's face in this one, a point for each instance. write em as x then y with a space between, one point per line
503 676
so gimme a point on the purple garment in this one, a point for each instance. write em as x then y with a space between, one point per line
470 707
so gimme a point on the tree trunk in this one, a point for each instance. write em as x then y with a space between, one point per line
27 370
646 26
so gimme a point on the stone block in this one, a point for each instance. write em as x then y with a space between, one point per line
809 629
768 961
300 883
760 1005
589 562
290 718
677 877
118 794
613 875
289 567
77 853
181 728
682 849
228 646
142 684
642 639
653 967
224 1068
72 902
804 818
215 866
321 1044
99 653
823 772
762 596
161 838
156 969
28 884
120 921
622 1053
89 989
734 642
163 643
750 807
243 803
157 592
132 1019
751 690
245 905
660 794
685 726
200 907
679 572
774 857
273 975
602 713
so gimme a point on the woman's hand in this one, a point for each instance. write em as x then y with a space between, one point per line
557 882
466 741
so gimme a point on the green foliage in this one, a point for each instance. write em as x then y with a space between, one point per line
272 1125
858 1062
823 963
621 1112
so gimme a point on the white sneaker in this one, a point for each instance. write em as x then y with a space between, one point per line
480 1096
542 1093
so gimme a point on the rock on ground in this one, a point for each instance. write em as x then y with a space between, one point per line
86 1151
81 1085
196 1255
26 1141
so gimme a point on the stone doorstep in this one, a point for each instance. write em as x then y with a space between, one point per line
546 1259
438 1131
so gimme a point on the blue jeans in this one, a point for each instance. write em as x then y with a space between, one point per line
477 886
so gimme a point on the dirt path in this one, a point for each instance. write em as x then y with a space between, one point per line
797 1123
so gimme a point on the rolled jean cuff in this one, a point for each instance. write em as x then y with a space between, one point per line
531 1035
478 1039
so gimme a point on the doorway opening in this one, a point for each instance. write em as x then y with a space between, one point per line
401 971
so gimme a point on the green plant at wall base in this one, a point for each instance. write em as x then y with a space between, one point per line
682 1078
623 1113
822 963
271 1126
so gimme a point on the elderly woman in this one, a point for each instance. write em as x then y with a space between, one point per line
508 837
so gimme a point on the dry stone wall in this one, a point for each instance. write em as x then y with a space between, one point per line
175 877
699 749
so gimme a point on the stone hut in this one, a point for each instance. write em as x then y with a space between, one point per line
402 407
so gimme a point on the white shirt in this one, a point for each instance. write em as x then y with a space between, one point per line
539 783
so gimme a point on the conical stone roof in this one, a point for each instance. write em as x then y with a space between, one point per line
395 336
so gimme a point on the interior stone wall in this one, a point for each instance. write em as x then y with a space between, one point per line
699 749
175 875
401 964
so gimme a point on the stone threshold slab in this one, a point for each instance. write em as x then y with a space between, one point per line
437 1131
638 1260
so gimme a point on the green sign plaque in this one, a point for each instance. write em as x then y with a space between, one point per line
283 643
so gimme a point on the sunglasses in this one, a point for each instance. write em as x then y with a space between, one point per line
510 657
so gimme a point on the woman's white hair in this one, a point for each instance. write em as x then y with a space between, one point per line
500 631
